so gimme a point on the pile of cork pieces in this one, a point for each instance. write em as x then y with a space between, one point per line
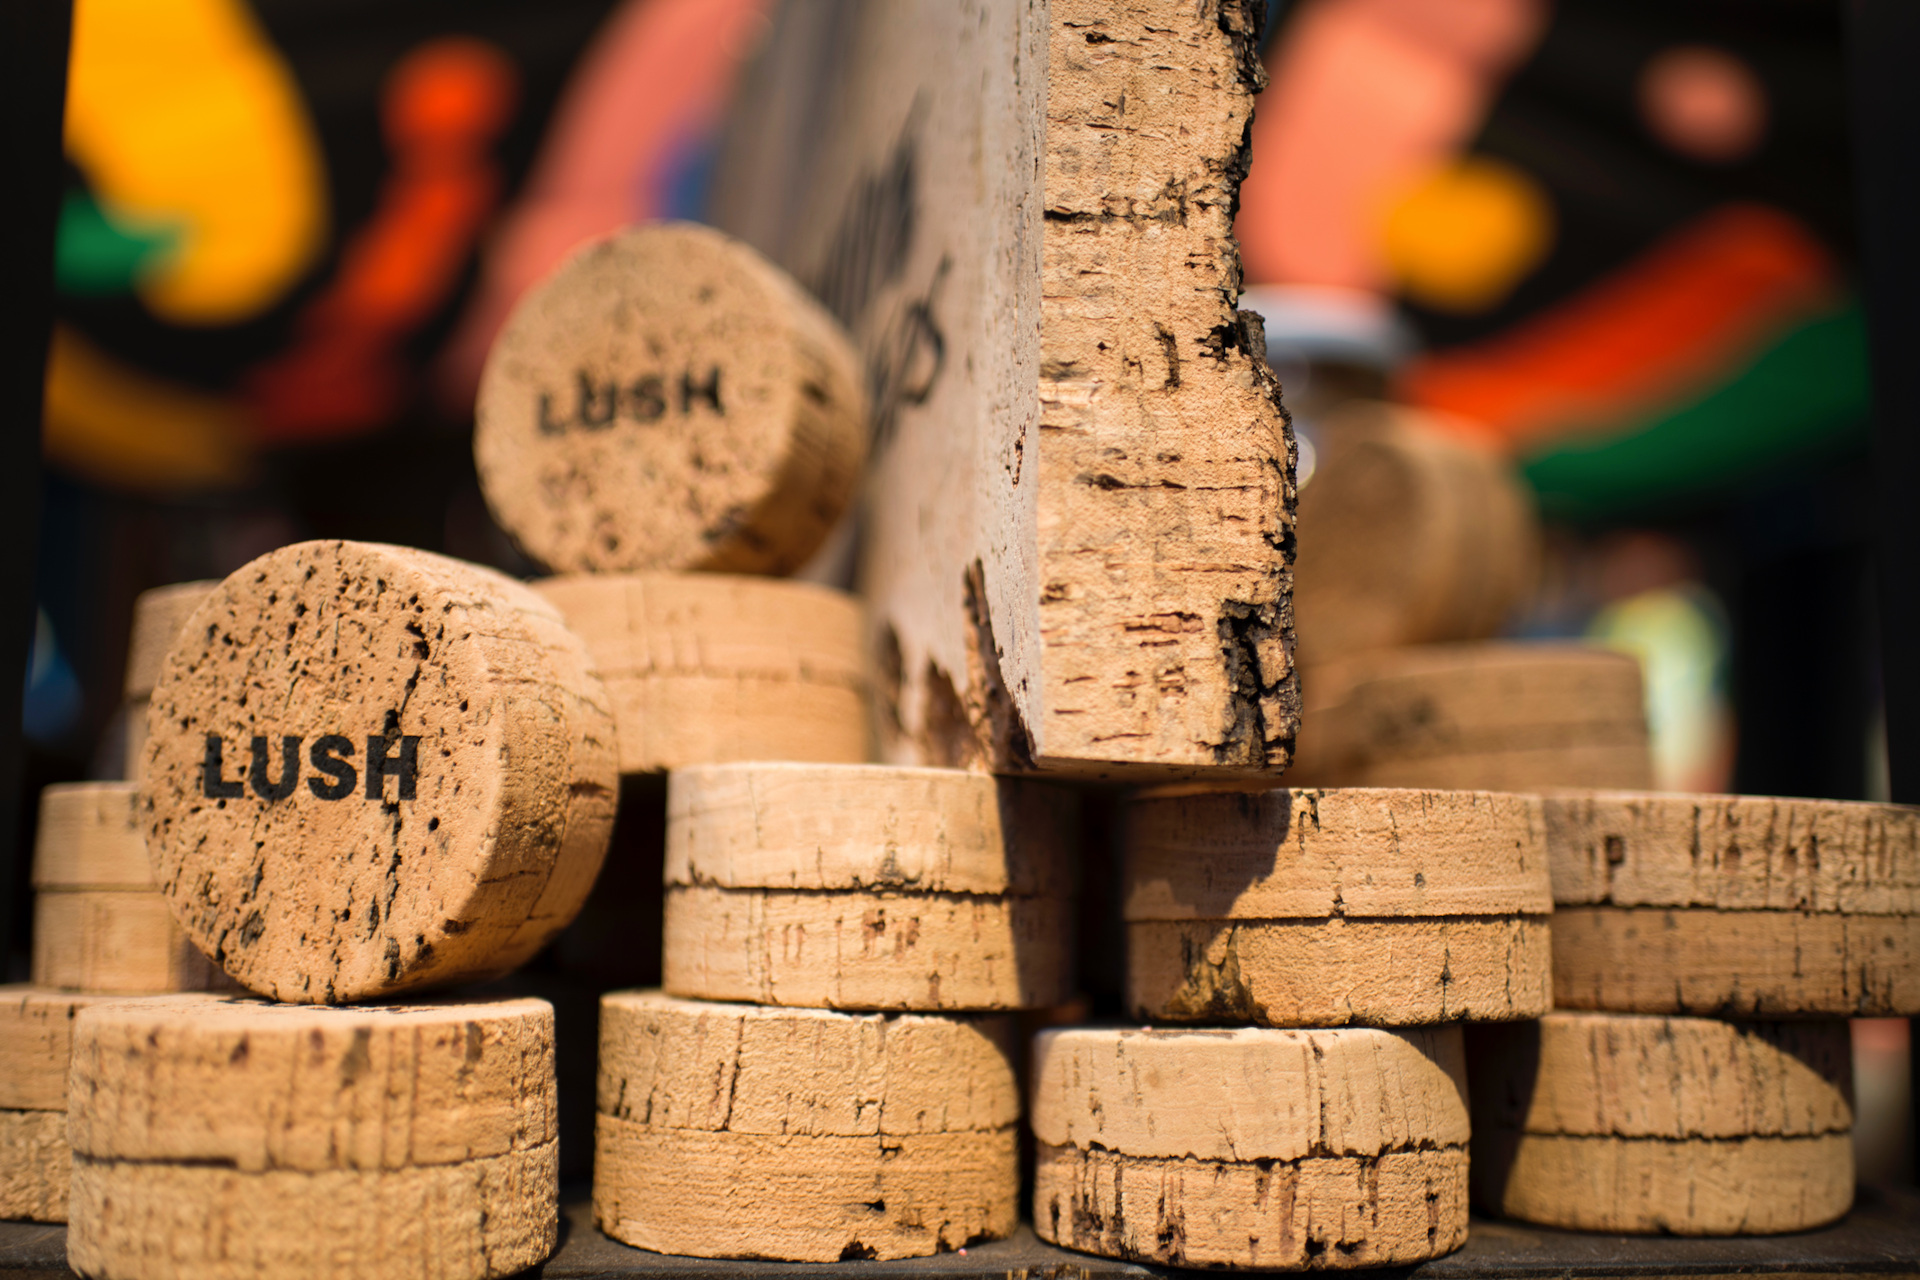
1437 975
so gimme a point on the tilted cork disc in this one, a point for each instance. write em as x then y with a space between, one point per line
709 667
867 887
1325 908
1252 1147
877 1136
1693 1126
1408 535
1490 716
1735 905
239 1138
375 770
667 399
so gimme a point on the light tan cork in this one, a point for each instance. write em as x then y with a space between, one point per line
255 1087
668 399
376 770
1735 853
475 1220
1277 1149
711 667
115 940
1736 964
868 887
91 836
1336 907
1691 1126
34 1165
877 1136
1489 715
158 616
1408 535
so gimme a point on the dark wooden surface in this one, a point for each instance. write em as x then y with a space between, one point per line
1881 1237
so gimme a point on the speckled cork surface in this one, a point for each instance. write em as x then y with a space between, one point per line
376 770
668 399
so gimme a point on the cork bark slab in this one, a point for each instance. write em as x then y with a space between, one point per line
709 667
1754 964
1339 972
1737 853
34 1162
91 836
878 827
803 1197
1488 715
1356 852
1079 509
668 399
1249 1093
115 940
36 1044
1317 1213
469 1221
158 617
416 776
1408 535
1641 1076
858 949
668 1063
261 1087
875 1135
1688 1187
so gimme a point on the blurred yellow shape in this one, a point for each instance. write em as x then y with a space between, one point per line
115 426
1460 239
181 113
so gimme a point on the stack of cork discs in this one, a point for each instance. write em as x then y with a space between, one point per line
371 771
864 911
1685 928
1416 546
1328 940
663 414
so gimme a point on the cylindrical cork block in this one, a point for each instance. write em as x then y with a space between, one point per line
36 1037
1253 1147
158 616
668 399
99 923
375 770
1328 908
868 887
1408 535
232 1138
1736 906
1689 1126
1487 716
738 1131
708 668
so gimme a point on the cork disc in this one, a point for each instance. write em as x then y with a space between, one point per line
115 940
667 399
867 887
255 1086
877 1136
1488 716
36 1044
1277 1149
34 1165
1328 908
1692 1126
709 667
1735 853
158 617
92 835
374 770
1408 536
1736 964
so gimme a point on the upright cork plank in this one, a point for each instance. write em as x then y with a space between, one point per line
1078 542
